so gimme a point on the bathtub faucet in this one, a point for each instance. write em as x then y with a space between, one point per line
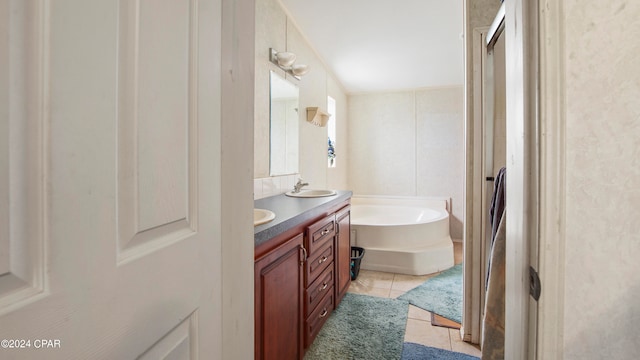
298 186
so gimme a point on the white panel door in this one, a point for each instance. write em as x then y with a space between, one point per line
109 179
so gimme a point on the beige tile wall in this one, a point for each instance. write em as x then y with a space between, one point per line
269 186
409 143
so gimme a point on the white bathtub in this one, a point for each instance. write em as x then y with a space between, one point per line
406 235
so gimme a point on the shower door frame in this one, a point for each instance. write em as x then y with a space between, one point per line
483 109
523 154
484 103
474 262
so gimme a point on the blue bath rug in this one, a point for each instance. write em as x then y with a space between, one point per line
362 327
411 351
441 294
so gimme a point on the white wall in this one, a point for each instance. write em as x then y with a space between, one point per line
602 254
271 30
409 143
275 29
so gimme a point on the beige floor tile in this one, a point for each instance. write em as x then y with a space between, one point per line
421 332
395 293
374 279
365 290
403 282
419 314
458 345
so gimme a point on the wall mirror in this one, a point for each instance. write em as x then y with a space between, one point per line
284 126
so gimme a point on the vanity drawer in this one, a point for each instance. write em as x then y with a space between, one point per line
320 232
314 293
318 317
317 262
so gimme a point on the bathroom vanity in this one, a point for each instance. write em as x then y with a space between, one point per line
302 271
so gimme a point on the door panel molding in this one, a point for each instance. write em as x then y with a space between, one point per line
61 172
24 152
157 194
179 343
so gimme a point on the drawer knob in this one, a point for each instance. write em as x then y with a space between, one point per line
323 259
325 232
324 286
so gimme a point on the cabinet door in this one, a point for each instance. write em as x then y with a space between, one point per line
278 308
343 249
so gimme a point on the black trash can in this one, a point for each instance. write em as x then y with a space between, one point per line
356 257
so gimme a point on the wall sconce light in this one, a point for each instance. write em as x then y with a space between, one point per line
286 61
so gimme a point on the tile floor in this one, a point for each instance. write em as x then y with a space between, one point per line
419 329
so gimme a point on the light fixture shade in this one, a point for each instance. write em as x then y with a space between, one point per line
299 69
285 59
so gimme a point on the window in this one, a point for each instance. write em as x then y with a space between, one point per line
331 132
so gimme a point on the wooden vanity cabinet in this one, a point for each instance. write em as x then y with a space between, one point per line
278 305
300 276
343 253
320 243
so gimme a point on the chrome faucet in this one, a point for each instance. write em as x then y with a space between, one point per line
298 186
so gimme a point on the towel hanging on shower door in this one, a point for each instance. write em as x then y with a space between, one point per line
494 305
498 201
493 322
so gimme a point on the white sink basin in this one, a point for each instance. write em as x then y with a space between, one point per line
262 216
310 193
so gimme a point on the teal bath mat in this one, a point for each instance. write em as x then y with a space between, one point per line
362 327
441 294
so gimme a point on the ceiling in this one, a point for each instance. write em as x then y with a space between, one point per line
381 45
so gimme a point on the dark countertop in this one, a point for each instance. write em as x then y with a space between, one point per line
292 211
